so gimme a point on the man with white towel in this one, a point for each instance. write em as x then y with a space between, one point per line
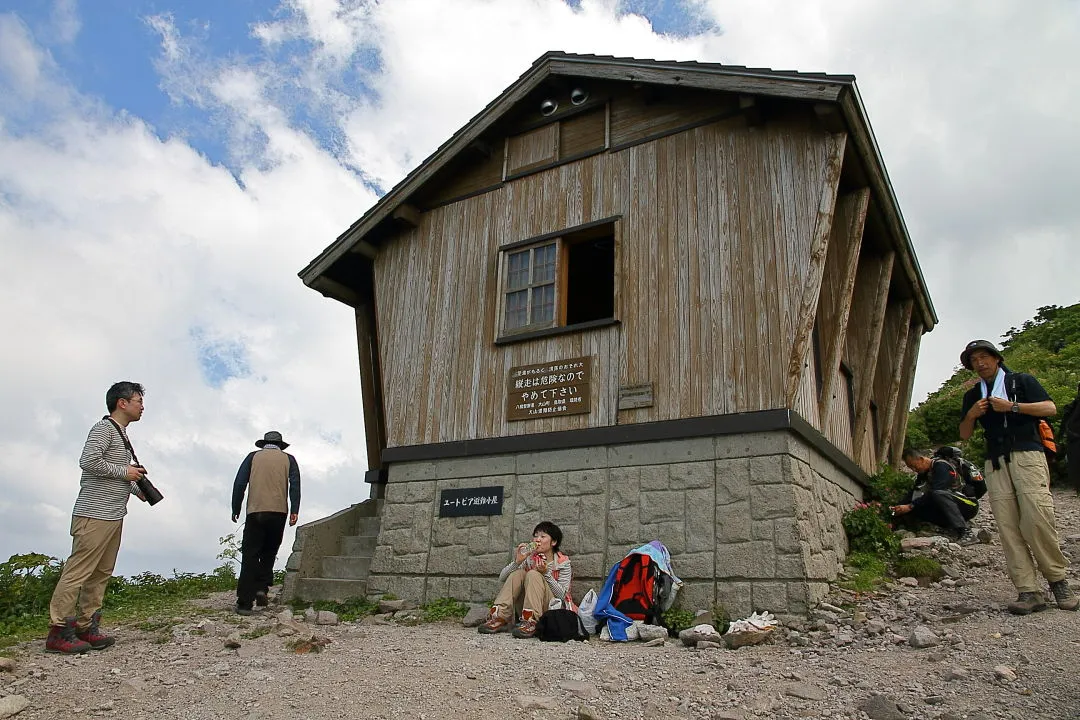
1009 405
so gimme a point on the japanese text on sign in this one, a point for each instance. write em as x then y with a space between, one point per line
560 387
471 501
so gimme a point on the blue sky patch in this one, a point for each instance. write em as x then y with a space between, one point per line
219 360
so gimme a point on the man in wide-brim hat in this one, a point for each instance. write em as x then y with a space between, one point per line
1009 405
274 480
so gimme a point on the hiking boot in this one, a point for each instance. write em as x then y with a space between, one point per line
93 635
241 610
965 537
526 629
62 639
1027 603
1066 598
261 599
497 622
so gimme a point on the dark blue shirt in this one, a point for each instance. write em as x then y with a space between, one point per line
1009 431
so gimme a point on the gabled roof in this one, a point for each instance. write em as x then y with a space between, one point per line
790 84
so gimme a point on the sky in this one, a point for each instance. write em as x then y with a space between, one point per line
167 167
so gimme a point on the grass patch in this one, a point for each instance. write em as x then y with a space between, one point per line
27 583
918 566
257 632
869 572
347 611
443 608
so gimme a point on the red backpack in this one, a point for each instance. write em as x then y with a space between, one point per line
634 593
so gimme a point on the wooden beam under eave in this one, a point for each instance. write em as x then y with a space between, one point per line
899 430
819 247
336 291
371 387
407 214
751 110
891 370
841 268
364 248
830 117
895 381
868 362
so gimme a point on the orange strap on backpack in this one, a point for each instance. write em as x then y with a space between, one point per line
1046 437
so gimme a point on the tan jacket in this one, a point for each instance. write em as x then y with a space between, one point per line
274 480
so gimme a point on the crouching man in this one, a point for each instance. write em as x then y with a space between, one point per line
937 498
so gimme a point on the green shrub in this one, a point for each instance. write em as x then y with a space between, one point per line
721 618
26 587
867 531
443 608
676 620
346 611
918 566
889 486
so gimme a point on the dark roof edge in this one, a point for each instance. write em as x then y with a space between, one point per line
867 146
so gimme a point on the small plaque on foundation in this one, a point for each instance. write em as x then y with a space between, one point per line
471 501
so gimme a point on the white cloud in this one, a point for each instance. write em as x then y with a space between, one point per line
65 21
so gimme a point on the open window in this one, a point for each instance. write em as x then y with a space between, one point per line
558 282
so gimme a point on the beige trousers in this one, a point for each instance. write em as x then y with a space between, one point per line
524 590
1019 494
94 544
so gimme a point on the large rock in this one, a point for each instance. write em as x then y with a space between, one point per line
804 691
532 702
12 705
325 617
880 707
7 665
476 616
580 689
651 632
923 637
233 641
692 636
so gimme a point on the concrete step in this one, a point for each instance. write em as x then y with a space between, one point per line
346 567
335 590
358 545
368 526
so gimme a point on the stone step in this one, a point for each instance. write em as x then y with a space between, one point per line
333 589
358 546
368 526
346 567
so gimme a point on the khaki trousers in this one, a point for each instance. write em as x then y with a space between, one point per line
94 544
526 590
1024 510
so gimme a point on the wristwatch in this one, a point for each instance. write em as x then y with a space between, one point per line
1016 407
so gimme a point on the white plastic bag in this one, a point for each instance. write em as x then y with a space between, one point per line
585 612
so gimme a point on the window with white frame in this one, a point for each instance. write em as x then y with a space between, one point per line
558 281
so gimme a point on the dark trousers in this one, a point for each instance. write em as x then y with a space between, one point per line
942 509
258 551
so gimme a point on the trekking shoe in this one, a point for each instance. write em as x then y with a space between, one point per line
496 622
526 629
1066 598
62 639
93 635
241 610
966 537
261 599
1027 603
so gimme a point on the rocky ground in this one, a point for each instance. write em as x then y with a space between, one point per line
943 652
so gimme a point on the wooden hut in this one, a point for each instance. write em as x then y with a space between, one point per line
644 300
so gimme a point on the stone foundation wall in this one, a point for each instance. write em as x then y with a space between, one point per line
752 521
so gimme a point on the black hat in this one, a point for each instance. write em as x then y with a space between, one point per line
965 357
272 438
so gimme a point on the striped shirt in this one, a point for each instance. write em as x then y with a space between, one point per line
104 488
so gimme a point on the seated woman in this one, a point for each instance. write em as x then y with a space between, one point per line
533 578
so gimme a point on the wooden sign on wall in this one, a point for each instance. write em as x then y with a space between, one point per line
560 387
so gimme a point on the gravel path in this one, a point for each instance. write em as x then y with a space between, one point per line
981 663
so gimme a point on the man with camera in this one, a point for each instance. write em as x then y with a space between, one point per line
108 480
274 480
1009 405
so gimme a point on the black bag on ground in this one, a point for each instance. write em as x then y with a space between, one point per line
559 626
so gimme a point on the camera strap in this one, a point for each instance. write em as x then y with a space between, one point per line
124 439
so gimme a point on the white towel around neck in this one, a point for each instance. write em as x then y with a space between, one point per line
999 386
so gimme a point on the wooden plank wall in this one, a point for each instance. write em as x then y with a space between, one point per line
712 251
